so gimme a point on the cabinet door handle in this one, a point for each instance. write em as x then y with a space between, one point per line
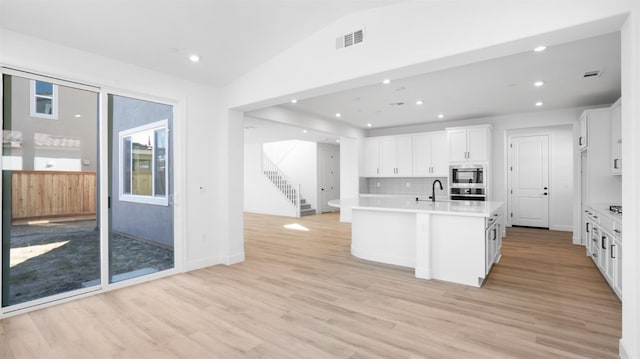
595 254
617 231
617 163
495 233
580 141
612 247
604 244
587 227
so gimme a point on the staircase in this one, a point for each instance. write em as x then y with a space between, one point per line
288 189
305 208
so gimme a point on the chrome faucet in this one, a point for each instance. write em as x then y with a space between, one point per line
433 189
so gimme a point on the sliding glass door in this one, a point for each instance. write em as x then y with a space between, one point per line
140 188
53 243
50 233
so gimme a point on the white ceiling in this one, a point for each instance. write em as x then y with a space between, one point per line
491 88
231 37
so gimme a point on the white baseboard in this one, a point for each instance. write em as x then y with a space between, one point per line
577 241
423 273
271 212
561 227
623 352
383 258
202 263
233 259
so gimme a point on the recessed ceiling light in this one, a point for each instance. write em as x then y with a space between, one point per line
77 115
539 103
538 83
304 131
419 102
293 100
338 141
540 48
369 124
338 114
440 115
386 81
194 58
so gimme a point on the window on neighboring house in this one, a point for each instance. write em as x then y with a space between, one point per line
143 164
44 99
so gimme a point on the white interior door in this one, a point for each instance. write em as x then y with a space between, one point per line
530 181
329 176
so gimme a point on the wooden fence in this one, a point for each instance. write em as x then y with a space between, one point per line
52 194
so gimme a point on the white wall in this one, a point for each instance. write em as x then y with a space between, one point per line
260 194
630 343
349 172
299 161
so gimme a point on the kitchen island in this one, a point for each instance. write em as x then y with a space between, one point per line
455 241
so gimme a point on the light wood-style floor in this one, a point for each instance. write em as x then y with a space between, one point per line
300 294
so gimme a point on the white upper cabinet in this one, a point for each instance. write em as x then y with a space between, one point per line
430 155
457 145
371 157
469 144
404 156
615 162
388 156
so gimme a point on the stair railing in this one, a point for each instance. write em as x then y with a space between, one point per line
284 184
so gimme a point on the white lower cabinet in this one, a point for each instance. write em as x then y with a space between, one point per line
493 241
616 266
604 246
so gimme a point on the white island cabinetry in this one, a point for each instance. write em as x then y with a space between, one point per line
451 240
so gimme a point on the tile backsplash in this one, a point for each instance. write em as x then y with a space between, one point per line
405 186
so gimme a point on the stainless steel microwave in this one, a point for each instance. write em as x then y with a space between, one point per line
467 176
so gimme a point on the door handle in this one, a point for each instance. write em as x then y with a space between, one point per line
545 193
546 188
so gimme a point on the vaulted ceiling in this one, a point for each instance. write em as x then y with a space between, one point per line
230 37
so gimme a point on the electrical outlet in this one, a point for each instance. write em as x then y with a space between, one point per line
377 184
408 184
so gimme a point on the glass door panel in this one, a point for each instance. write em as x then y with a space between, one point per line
50 233
141 187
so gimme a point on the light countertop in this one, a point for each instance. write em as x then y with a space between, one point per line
603 209
410 205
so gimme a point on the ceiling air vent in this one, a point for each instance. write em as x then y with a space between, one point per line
349 39
358 36
592 74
